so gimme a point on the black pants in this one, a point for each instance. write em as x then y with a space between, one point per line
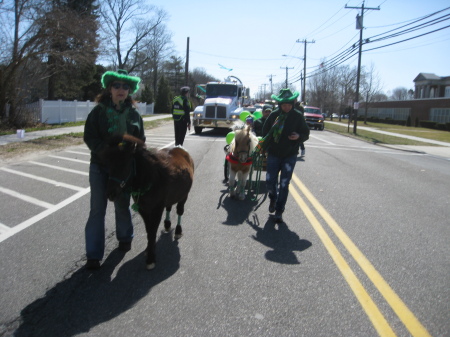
180 131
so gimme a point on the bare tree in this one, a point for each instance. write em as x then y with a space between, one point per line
371 88
159 47
346 89
322 90
400 94
199 76
22 42
127 26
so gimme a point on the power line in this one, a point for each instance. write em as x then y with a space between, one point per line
411 38
349 53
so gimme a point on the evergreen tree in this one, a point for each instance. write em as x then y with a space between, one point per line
72 26
164 97
94 88
147 94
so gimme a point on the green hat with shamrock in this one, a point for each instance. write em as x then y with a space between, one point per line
285 96
122 76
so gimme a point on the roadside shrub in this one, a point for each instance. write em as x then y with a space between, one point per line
428 124
441 126
408 121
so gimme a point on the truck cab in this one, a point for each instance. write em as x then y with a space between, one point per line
314 118
223 104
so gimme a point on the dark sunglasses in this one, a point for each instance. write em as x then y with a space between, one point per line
124 86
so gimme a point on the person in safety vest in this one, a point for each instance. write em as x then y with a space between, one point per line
181 109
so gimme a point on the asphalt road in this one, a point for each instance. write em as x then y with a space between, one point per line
363 250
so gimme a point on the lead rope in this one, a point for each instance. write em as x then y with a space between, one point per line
257 158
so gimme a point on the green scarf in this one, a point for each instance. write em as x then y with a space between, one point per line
273 134
117 119
278 126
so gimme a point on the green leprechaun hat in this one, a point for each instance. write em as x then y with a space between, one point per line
121 75
285 96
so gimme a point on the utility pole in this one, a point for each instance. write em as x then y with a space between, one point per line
186 69
360 26
287 75
304 68
271 87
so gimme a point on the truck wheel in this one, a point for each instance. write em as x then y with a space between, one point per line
198 130
322 127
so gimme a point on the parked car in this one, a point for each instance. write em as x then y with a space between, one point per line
314 118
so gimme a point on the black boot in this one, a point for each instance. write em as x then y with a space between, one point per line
272 205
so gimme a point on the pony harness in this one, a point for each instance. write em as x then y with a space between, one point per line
234 160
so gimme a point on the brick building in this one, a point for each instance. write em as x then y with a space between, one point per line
431 103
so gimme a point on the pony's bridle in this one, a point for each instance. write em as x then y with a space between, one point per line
132 173
243 151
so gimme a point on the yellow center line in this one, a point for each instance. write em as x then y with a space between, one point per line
376 317
405 315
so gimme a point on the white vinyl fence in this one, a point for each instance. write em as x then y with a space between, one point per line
58 112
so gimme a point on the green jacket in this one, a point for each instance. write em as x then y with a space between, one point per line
104 121
258 126
295 122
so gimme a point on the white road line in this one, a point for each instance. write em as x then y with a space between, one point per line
42 215
365 149
70 159
60 168
322 140
3 228
78 152
168 145
45 180
26 198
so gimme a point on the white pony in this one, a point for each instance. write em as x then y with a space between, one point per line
240 160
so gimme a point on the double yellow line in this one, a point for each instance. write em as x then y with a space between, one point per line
383 328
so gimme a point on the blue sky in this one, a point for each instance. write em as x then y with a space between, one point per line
251 36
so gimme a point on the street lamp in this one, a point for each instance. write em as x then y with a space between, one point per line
302 77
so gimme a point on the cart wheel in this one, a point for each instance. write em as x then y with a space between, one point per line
226 171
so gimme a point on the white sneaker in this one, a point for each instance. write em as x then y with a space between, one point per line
303 153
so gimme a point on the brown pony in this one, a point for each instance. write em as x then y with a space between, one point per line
240 160
156 179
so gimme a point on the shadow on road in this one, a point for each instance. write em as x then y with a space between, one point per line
280 239
87 299
237 210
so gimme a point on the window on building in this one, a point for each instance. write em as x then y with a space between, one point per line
447 91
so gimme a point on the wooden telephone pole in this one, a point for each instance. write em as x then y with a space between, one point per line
360 26
186 69
304 69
